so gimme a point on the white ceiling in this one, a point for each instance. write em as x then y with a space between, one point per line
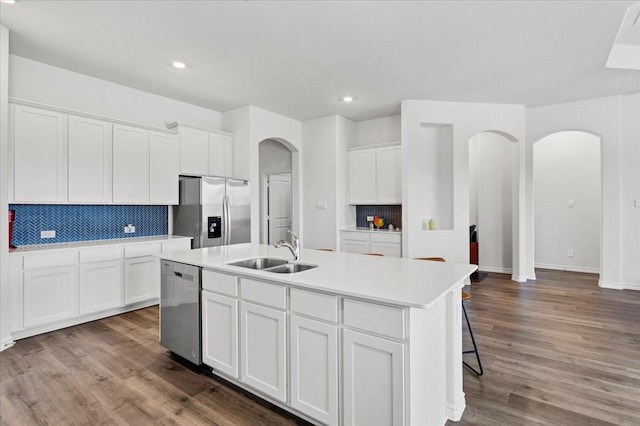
297 58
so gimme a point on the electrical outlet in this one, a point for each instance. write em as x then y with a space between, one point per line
47 234
129 229
570 253
369 218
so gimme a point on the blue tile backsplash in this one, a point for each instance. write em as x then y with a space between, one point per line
85 222
391 214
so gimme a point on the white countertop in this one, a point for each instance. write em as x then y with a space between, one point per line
404 282
365 229
94 243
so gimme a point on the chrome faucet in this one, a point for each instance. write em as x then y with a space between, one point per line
295 248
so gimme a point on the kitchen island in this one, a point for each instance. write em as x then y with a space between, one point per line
356 340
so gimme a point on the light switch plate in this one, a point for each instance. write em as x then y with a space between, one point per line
369 218
48 234
321 205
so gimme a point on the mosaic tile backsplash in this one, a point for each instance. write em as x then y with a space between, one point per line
85 222
391 214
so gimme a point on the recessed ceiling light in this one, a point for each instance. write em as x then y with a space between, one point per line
347 99
178 64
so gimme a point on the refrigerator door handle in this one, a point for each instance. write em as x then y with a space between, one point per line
227 221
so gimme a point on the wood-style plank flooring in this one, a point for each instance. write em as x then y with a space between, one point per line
556 351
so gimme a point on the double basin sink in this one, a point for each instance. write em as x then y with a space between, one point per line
271 264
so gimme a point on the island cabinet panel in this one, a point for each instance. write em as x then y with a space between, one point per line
220 333
314 368
373 371
263 360
39 155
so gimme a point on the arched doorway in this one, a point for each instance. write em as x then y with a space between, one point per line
275 171
493 157
567 194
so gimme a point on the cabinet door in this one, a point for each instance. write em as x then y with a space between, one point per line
194 151
314 369
263 350
50 295
130 165
220 333
362 176
164 168
219 154
100 286
373 380
39 155
141 279
89 160
351 246
388 249
388 175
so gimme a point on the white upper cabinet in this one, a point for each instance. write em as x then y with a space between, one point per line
130 164
164 168
388 176
375 176
89 160
220 154
39 155
362 176
194 151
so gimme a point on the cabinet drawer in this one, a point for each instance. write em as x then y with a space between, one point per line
100 254
380 319
356 236
386 237
139 250
317 305
220 283
170 246
49 260
264 293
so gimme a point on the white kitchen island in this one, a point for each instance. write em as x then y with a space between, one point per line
359 340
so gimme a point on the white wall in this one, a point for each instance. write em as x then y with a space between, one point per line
566 180
5 305
468 119
376 131
325 176
45 84
491 199
250 126
615 119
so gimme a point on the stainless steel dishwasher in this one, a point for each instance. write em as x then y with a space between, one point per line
180 310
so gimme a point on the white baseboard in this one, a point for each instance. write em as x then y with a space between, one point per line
568 268
6 344
519 278
495 269
618 286
455 413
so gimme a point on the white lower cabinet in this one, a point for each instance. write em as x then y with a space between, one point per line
50 294
384 242
263 360
361 247
220 333
314 368
141 279
100 286
373 380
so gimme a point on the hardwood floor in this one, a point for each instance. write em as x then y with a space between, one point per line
556 351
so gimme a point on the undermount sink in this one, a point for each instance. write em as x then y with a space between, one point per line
270 264
291 268
259 263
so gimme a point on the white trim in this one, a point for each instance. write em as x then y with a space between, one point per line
6 344
519 278
618 286
568 268
378 145
16 101
176 124
454 413
495 269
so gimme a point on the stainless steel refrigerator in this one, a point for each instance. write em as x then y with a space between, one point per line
215 211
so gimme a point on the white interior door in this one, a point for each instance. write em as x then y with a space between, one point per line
279 207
